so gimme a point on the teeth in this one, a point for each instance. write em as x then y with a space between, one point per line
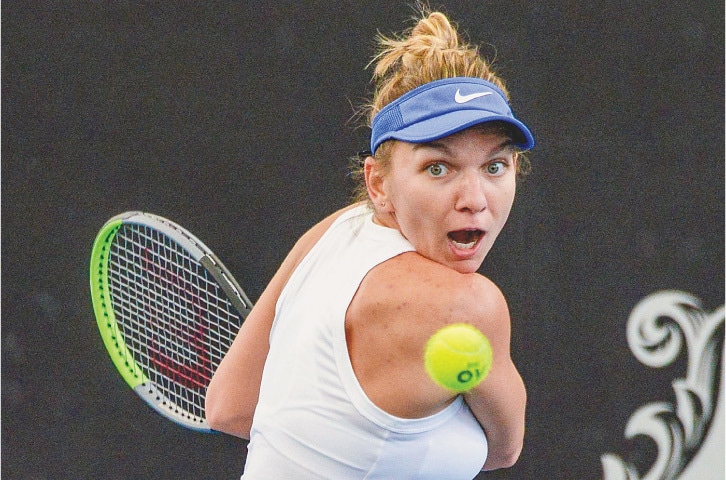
465 239
464 246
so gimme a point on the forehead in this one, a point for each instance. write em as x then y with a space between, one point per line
506 130
477 140
491 134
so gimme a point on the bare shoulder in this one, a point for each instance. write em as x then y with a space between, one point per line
433 295
399 305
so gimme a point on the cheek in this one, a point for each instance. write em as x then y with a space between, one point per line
507 201
417 210
416 202
507 192
403 191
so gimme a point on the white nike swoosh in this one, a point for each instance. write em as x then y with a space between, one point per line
459 98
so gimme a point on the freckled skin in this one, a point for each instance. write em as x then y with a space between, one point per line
463 182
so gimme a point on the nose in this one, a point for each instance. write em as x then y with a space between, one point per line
471 194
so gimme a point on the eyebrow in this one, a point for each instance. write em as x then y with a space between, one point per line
505 145
434 144
441 146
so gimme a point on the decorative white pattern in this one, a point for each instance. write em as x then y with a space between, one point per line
656 330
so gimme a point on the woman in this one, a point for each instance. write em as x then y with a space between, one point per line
326 377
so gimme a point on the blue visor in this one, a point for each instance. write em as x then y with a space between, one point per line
443 107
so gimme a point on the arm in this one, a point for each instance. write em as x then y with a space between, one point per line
233 393
499 401
387 330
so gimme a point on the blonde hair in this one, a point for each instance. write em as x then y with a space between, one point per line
431 50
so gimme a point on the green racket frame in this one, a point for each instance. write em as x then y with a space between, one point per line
103 305
105 317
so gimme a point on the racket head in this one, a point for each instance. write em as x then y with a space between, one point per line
167 310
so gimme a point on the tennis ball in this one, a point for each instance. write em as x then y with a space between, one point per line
458 357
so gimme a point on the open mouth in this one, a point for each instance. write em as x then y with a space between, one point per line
465 239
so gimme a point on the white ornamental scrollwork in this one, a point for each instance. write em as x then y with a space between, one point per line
657 328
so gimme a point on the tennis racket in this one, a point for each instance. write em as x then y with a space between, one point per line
167 309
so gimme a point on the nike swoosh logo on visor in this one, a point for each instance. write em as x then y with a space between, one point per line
459 98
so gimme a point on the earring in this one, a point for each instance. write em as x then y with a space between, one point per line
383 204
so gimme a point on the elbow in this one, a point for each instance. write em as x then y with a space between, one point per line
509 457
213 413
221 418
503 457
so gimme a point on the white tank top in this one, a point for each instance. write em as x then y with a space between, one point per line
313 419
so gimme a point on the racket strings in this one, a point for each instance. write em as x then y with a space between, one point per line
174 316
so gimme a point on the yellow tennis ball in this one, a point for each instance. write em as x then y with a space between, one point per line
458 357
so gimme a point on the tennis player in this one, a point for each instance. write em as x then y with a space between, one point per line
326 377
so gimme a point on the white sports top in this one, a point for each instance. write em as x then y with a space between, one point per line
313 419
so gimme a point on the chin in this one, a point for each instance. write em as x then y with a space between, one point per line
470 264
467 266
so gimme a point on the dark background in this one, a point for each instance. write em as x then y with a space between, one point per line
233 119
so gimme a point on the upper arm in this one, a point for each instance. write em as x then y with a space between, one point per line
234 389
387 330
499 401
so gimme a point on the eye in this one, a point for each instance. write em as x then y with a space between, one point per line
496 168
437 169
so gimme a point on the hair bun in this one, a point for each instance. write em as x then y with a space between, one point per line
431 50
436 29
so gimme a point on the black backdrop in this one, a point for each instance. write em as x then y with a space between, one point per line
233 118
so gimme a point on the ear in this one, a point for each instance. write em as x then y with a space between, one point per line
376 184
